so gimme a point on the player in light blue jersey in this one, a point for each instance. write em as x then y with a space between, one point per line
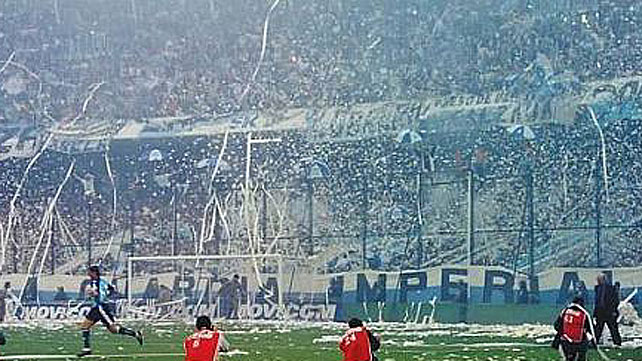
99 290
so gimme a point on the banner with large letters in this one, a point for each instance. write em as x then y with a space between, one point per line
489 285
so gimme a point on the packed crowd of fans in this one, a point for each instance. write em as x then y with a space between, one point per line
161 58
360 192
406 201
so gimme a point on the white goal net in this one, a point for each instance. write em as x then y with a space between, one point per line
266 287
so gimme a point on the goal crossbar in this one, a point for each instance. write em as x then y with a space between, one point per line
205 257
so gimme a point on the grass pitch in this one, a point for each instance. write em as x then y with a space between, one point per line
295 342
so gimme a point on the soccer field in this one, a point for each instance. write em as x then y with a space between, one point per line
296 342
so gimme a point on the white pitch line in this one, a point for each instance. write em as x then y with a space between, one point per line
491 345
65 357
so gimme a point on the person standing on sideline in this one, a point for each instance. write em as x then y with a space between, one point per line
359 343
206 343
462 302
606 313
231 294
4 294
61 296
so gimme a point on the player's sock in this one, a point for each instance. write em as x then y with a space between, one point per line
86 335
126 331
140 338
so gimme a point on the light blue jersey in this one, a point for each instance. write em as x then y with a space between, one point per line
103 289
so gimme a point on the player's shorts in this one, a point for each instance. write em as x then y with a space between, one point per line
101 313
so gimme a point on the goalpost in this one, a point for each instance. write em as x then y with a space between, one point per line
258 275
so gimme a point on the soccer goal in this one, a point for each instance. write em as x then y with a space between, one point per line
221 286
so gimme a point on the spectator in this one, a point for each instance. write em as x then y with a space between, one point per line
606 309
61 296
164 294
4 295
582 292
82 289
153 289
374 261
230 295
462 302
344 264
522 293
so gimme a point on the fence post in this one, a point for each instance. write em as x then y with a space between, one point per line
531 221
174 219
89 231
471 217
598 213
310 217
53 246
364 228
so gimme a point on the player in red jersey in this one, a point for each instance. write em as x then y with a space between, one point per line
574 330
206 343
359 344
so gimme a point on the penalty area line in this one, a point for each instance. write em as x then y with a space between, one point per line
503 345
65 357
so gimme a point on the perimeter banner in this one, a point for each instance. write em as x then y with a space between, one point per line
494 285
